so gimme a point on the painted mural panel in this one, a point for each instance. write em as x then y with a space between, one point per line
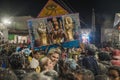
52 9
56 30
53 30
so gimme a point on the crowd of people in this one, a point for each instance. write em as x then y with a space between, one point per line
87 62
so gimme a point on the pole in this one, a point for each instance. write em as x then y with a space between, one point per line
93 25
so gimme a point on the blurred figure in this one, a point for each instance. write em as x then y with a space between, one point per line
69 76
104 62
102 77
53 54
49 75
17 61
7 74
34 64
88 75
116 57
89 62
32 76
114 73
78 74
46 64
71 65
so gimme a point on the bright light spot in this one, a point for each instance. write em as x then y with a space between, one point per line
85 38
6 21
118 14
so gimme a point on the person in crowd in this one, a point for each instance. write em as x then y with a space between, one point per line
80 58
68 66
69 76
34 64
75 57
32 76
71 65
78 74
49 75
104 62
7 74
63 55
89 62
88 75
4 59
101 77
19 47
17 61
54 55
114 73
116 57
46 64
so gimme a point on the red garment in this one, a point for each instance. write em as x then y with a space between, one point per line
116 54
115 62
116 57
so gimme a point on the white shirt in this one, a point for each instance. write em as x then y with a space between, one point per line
34 63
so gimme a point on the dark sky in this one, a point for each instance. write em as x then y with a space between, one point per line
104 9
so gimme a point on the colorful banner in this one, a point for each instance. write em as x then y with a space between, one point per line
53 30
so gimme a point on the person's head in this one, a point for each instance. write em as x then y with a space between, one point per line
63 56
91 49
71 65
46 64
36 54
75 57
78 74
90 52
114 72
88 75
104 56
17 60
107 48
32 76
49 75
53 54
42 54
69 76
101 77
6 74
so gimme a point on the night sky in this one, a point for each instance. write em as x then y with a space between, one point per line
104 9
